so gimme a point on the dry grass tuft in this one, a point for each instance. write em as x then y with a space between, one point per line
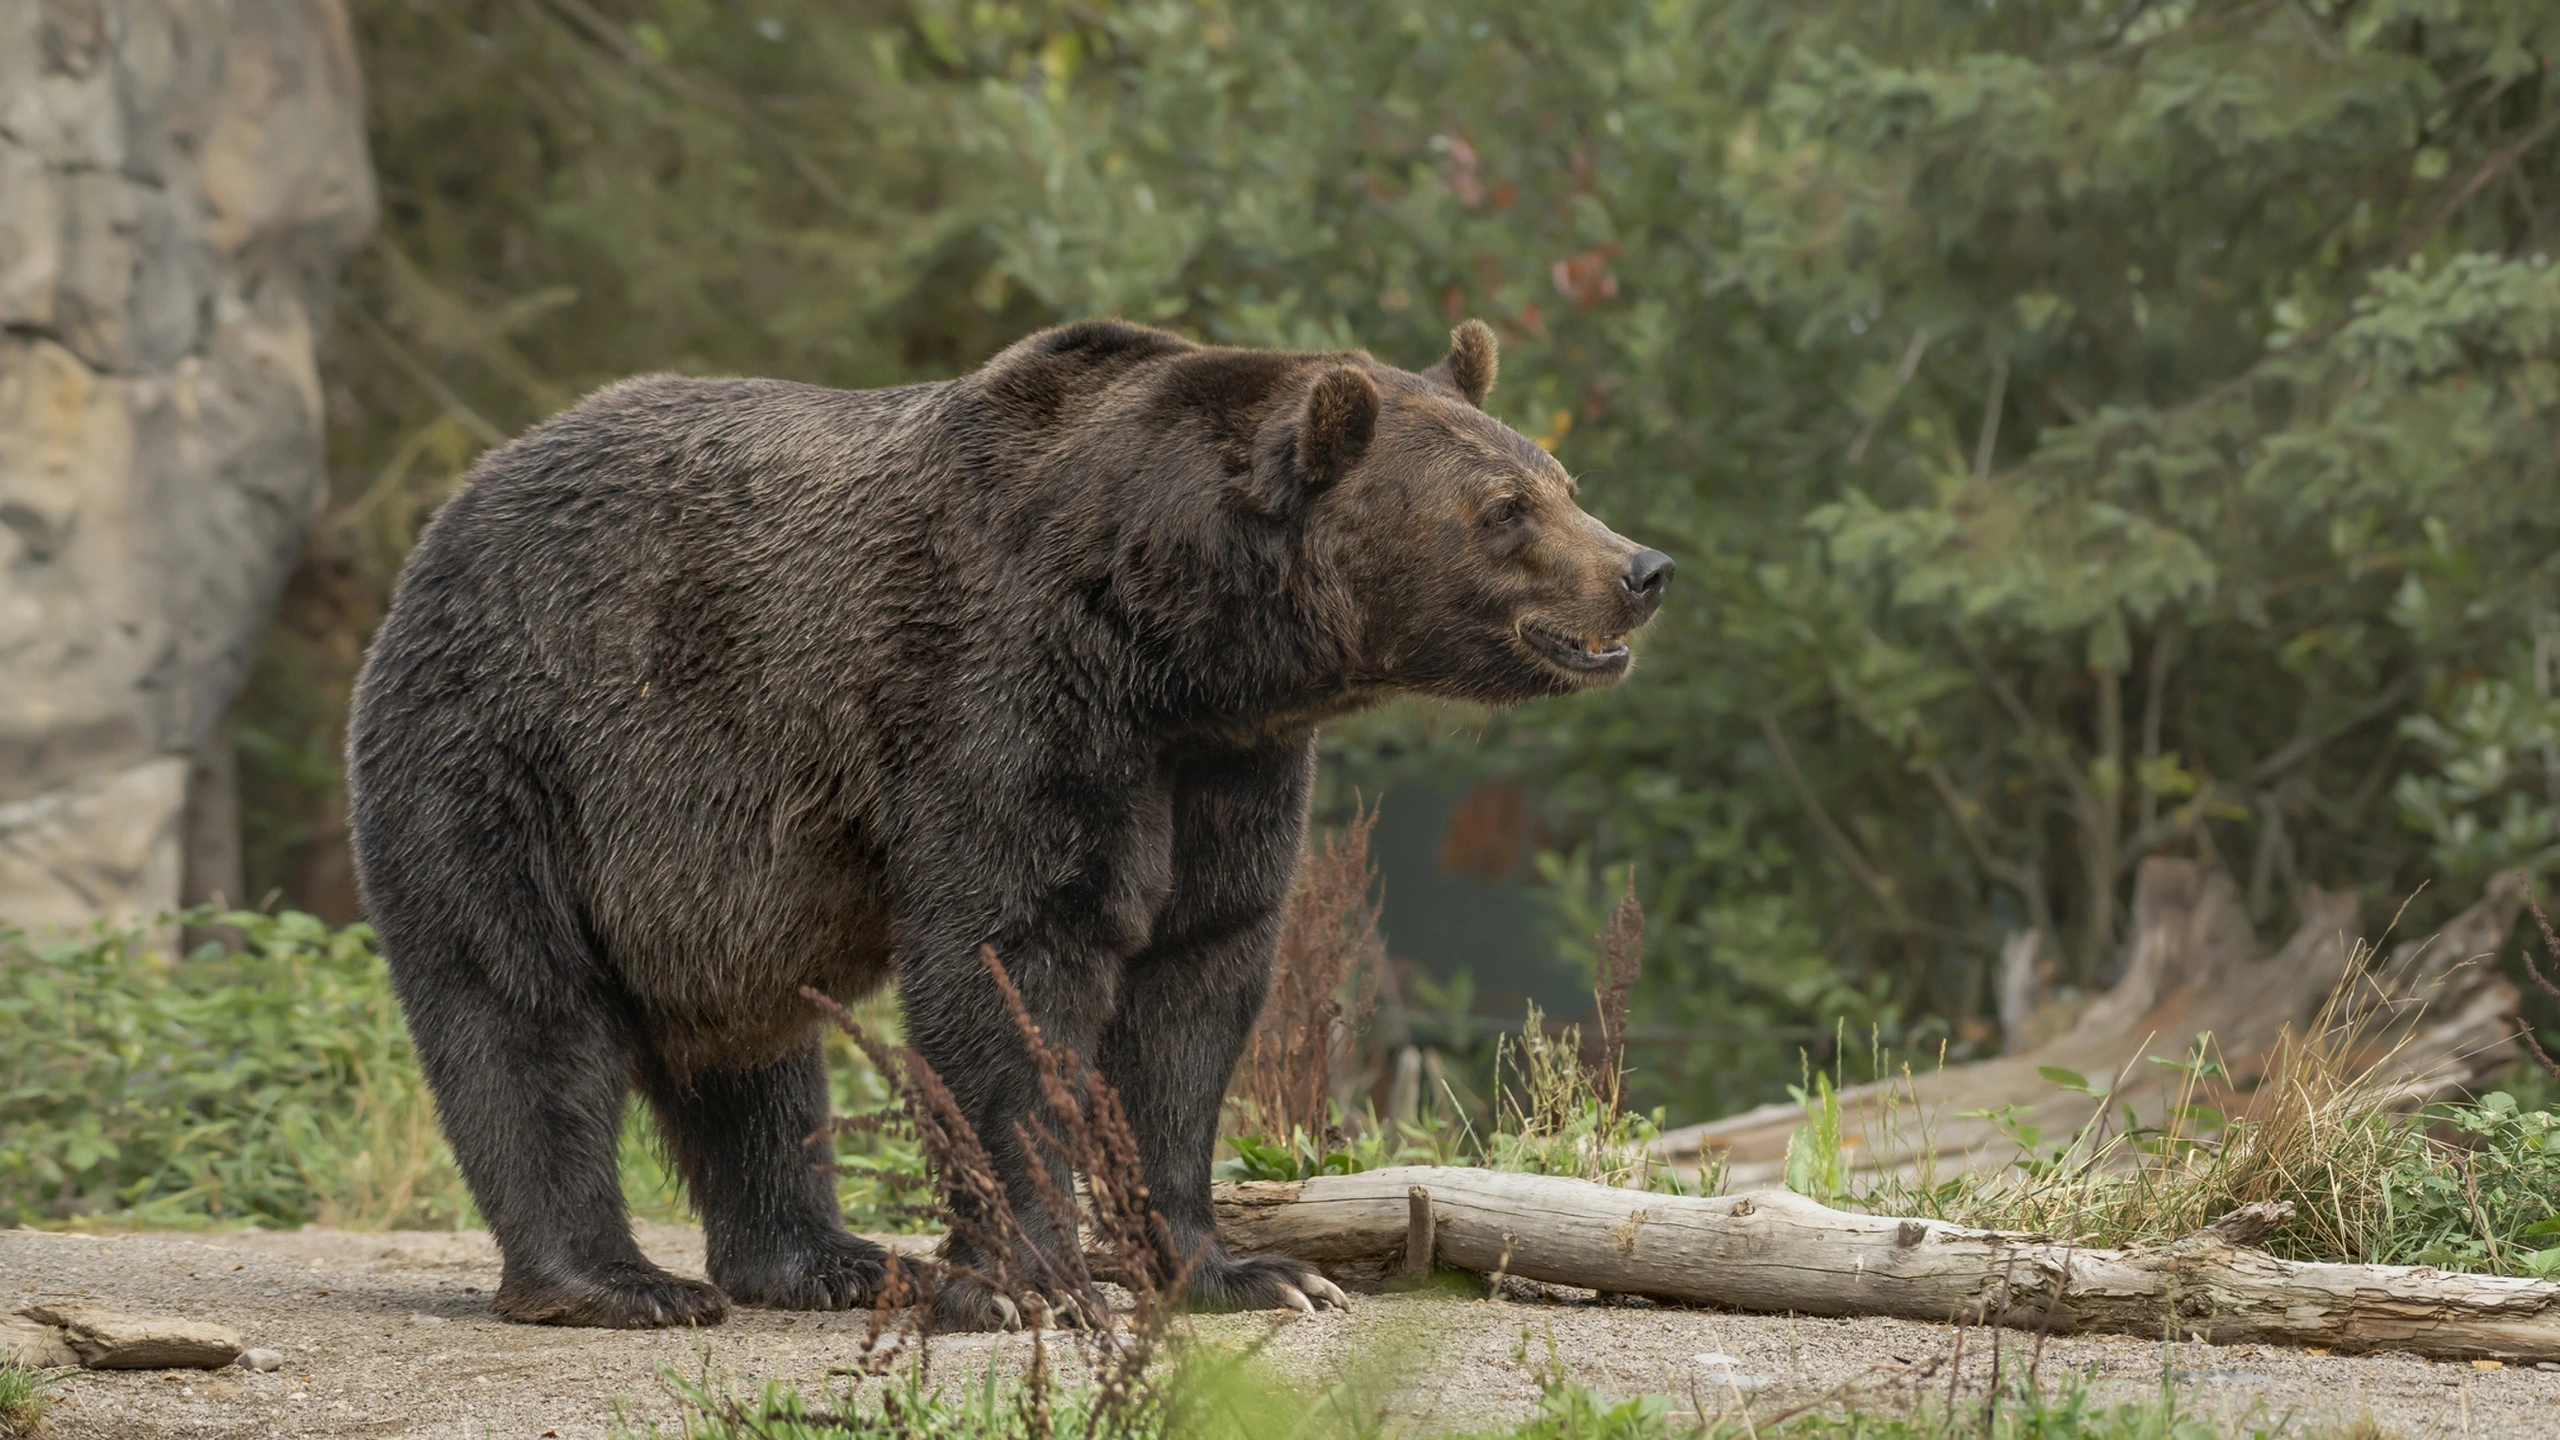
1330 936
1621 953
1092 1190
2533 969
22 1400
2327 1127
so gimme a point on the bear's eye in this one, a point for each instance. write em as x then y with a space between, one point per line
1503 513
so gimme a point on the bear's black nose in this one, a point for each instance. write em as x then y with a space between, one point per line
1648 571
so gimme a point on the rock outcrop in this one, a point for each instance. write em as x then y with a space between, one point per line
179 182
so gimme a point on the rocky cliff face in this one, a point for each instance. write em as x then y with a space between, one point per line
179 181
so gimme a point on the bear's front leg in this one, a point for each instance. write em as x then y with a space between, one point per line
1189 1001
1184 1017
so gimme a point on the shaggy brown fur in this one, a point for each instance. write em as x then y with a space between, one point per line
707 690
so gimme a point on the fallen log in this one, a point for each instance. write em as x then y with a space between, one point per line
1778 1252
2431 1021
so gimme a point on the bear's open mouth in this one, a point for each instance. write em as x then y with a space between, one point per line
1579 654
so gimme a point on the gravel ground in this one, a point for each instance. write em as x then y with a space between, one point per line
391 1335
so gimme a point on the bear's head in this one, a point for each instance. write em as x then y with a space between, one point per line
1473 572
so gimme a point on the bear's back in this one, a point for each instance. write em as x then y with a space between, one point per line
652 506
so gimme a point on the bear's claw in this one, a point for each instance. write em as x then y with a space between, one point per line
1327 1291
1264 1282
624 1297
846 1273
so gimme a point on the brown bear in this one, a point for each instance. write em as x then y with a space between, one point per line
708 690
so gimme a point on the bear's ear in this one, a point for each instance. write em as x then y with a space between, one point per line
1469 366
1341 415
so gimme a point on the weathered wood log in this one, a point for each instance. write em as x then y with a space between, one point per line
2434 1023
1778 1252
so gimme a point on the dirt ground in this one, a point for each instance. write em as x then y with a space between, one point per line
391 1335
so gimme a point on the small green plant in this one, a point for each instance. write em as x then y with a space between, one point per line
1560 1117
2486 1196
1298 1157
22 1399
1817 1155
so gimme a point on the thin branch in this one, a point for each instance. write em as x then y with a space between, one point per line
2452 204
2192 28
2105 817
2410 244
423 377
2015 875
1991 407
2082 799
2303 747
1902 374
2064 401
2168 827
1832 835
2155 692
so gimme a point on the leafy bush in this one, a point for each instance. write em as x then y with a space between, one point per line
2488 1198
271 1081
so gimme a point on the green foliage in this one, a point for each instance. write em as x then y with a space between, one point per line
2085 431
1818 1163
2488 1201
1556 1115
2489 802
272 1082
1551 1115
1300 1157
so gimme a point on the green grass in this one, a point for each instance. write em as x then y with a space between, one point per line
22 1399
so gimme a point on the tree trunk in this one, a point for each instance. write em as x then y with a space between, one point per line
1778 1252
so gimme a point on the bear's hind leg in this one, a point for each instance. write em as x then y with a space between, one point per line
533 1108
751 1146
